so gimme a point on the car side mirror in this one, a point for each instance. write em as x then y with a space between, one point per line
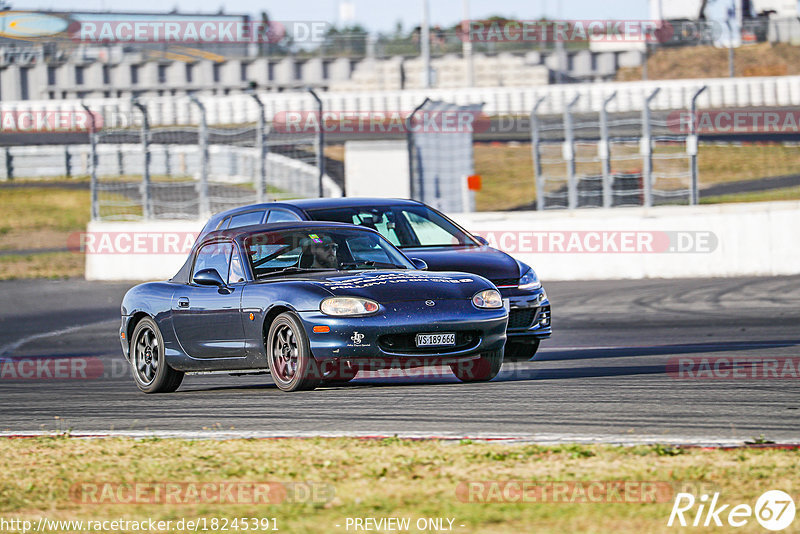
419 264
481 240
208 277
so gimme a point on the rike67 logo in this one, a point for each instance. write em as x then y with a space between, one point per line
774 510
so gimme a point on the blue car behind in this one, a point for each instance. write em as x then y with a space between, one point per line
422 232
313 303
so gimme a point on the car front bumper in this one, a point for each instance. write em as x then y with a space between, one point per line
123 336
529 314
390 334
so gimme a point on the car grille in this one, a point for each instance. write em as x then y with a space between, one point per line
506 282
407 343
521 318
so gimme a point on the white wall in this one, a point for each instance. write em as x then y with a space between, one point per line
753 239
376 169
135 250
748 239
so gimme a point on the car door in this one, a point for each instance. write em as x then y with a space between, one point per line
208 319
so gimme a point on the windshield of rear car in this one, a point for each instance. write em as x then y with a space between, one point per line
321 249
403 226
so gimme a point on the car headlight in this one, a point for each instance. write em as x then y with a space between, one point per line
348 306
488 298
529 280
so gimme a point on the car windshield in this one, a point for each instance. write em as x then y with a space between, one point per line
403 226
321 249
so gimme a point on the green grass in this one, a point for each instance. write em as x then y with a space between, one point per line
787 193
46 265
508 182
44 208
380 478
41 218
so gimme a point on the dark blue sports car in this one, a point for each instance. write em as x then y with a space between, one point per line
313 303
422 232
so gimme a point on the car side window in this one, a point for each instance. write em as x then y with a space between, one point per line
381 221
428 232
246 219
213 256
276 215
237 271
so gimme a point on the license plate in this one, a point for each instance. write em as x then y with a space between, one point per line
435 340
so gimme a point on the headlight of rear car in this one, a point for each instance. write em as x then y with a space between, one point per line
529 280
348 306
488 298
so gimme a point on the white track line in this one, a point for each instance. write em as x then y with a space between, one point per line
544 439
11 347
732 345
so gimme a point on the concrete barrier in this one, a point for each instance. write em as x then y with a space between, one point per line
724 240
136 250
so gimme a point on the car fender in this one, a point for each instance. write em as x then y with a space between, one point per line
262 302
153 299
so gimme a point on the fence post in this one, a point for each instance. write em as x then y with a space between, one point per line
9 164
568 152
646 150
67 162
204 205
691 148
147 205
604 150
412 189
320 141
261 168
92 162
538 179
167 161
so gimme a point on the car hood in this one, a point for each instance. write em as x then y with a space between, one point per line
397 285
483 261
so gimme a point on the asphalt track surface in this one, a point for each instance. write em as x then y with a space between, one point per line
603 375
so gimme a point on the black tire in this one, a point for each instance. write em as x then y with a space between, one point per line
517 351
151 372
291 364
337 372
481 369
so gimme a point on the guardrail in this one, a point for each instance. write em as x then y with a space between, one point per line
776 91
